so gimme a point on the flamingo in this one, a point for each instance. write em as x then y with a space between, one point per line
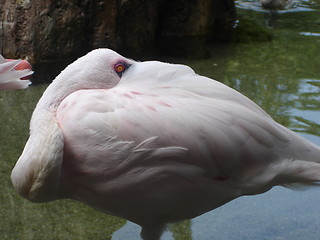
14 74
274 4
154 143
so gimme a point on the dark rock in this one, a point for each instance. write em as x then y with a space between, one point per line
47 30
186 26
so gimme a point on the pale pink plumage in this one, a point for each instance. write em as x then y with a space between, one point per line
156 144
12 76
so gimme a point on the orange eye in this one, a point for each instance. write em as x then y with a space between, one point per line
119 67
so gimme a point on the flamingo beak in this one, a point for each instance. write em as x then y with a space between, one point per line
22 66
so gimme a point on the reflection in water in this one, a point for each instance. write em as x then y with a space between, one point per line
182 230
282 76
271 16
310 34
306 115
292 6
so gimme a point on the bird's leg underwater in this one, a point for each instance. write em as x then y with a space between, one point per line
152 232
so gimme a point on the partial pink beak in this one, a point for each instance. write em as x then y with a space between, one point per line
21 66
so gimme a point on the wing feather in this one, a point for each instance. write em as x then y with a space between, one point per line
219 127
171 131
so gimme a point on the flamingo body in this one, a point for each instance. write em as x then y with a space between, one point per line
154 143
14 74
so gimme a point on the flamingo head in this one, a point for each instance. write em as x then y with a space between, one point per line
99 69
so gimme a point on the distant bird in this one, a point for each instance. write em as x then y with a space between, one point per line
274 4
14 74
154 143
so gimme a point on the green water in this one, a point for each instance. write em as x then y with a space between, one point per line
277 66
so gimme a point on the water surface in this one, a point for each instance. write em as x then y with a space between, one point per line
281 72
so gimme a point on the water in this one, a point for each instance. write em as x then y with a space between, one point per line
282 75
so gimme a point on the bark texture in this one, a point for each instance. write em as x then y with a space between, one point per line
46 30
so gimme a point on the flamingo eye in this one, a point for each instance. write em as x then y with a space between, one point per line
120 67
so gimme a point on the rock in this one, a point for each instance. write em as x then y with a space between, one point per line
41 30
186 26
47 30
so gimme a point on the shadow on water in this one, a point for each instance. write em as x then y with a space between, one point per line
280 72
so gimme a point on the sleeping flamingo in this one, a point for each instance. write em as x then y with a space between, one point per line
154 143
14 74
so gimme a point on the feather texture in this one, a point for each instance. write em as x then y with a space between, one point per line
156 144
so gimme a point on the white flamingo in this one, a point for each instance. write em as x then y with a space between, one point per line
154 143
14 74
